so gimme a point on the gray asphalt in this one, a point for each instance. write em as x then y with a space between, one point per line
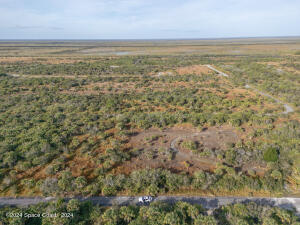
206 202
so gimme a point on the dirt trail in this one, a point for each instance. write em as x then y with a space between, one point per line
188 155
47 76
218 71
175 140
288 108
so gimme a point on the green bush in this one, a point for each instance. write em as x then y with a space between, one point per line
191 145
155 213
271 155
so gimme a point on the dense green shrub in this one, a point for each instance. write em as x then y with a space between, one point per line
46 122
156 213
271 155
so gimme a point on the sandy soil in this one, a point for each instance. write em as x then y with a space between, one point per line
156 148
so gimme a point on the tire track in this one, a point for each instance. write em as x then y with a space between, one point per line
288 108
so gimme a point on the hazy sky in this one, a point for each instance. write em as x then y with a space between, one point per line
110 19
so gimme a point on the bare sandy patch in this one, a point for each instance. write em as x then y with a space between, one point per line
195 69
155 148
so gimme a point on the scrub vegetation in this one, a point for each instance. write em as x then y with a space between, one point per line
74 212
74 123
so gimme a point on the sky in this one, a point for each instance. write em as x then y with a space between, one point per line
147 19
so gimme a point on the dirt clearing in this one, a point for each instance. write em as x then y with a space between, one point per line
195 69
156 148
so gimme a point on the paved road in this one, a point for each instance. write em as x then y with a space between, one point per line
287 107
207 202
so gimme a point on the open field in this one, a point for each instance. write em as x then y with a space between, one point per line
242 46
97 118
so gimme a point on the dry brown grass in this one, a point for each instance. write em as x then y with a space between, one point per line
195 69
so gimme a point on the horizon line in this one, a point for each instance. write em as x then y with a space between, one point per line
146 39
